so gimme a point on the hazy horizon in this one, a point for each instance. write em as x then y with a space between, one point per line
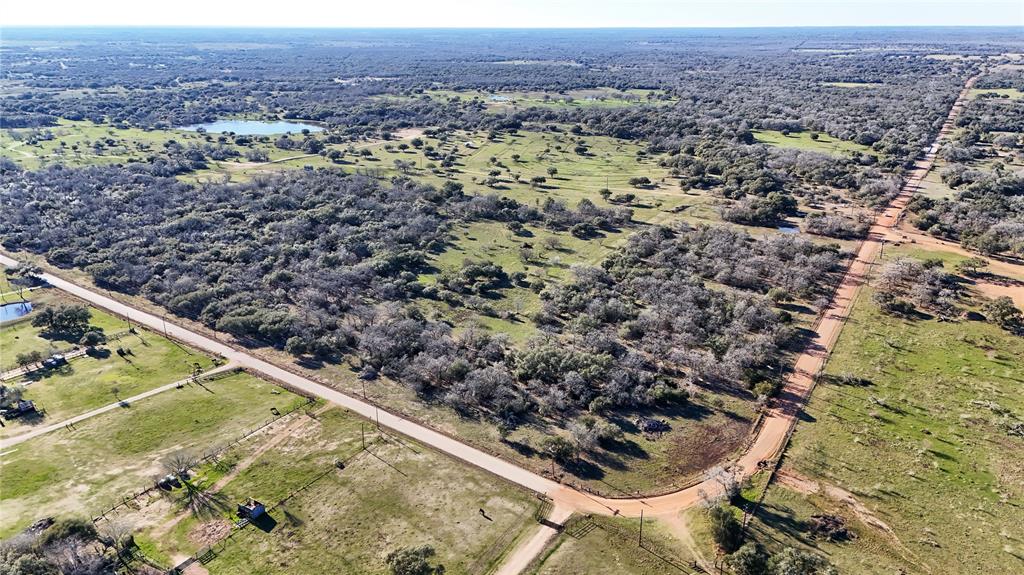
527 14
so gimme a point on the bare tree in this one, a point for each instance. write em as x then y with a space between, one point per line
179 463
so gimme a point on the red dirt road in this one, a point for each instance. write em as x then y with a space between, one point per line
768 444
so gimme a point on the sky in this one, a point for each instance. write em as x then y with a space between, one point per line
513 13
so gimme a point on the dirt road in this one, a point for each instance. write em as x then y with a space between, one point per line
238 357
767 445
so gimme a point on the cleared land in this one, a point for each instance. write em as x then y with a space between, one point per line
85 470
91 380
1009 93
803 141
607 546
922 446
584 98
396 494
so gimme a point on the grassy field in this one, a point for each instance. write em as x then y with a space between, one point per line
5 283
1010 93
85 470
802 141
605 546
73 143
609 163
922 447
88 381
19 336
932 186
394 495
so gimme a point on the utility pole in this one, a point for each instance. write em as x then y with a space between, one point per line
362 434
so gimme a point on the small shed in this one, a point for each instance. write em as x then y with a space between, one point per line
251 509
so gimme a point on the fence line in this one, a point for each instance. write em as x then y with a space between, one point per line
67 350
210 552
209 457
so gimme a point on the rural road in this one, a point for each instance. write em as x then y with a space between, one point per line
768 443
239 358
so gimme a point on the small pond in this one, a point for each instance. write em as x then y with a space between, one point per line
9 311
786 229
253 127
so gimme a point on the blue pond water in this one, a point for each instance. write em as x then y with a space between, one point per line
789 229
253 127
9 311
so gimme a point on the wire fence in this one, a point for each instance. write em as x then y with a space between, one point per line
61 351
131 500
210 552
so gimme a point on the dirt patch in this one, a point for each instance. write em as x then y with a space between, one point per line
907 235
196 569
993 290
804 485
209 532
408 133
797 483
706 445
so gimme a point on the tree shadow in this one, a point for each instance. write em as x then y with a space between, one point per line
782 519
292 519
43 373
98 352
584 469
203 504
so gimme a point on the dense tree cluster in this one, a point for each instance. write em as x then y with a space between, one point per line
360 81
270 259
990 222
63 321
905 283
649 308
837 226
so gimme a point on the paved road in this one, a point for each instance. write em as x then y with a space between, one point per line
37 431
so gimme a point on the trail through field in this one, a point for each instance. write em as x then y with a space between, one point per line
15 148
771 438
277 437
801 484
680 528
121 404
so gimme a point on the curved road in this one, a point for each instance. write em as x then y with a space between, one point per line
768 443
